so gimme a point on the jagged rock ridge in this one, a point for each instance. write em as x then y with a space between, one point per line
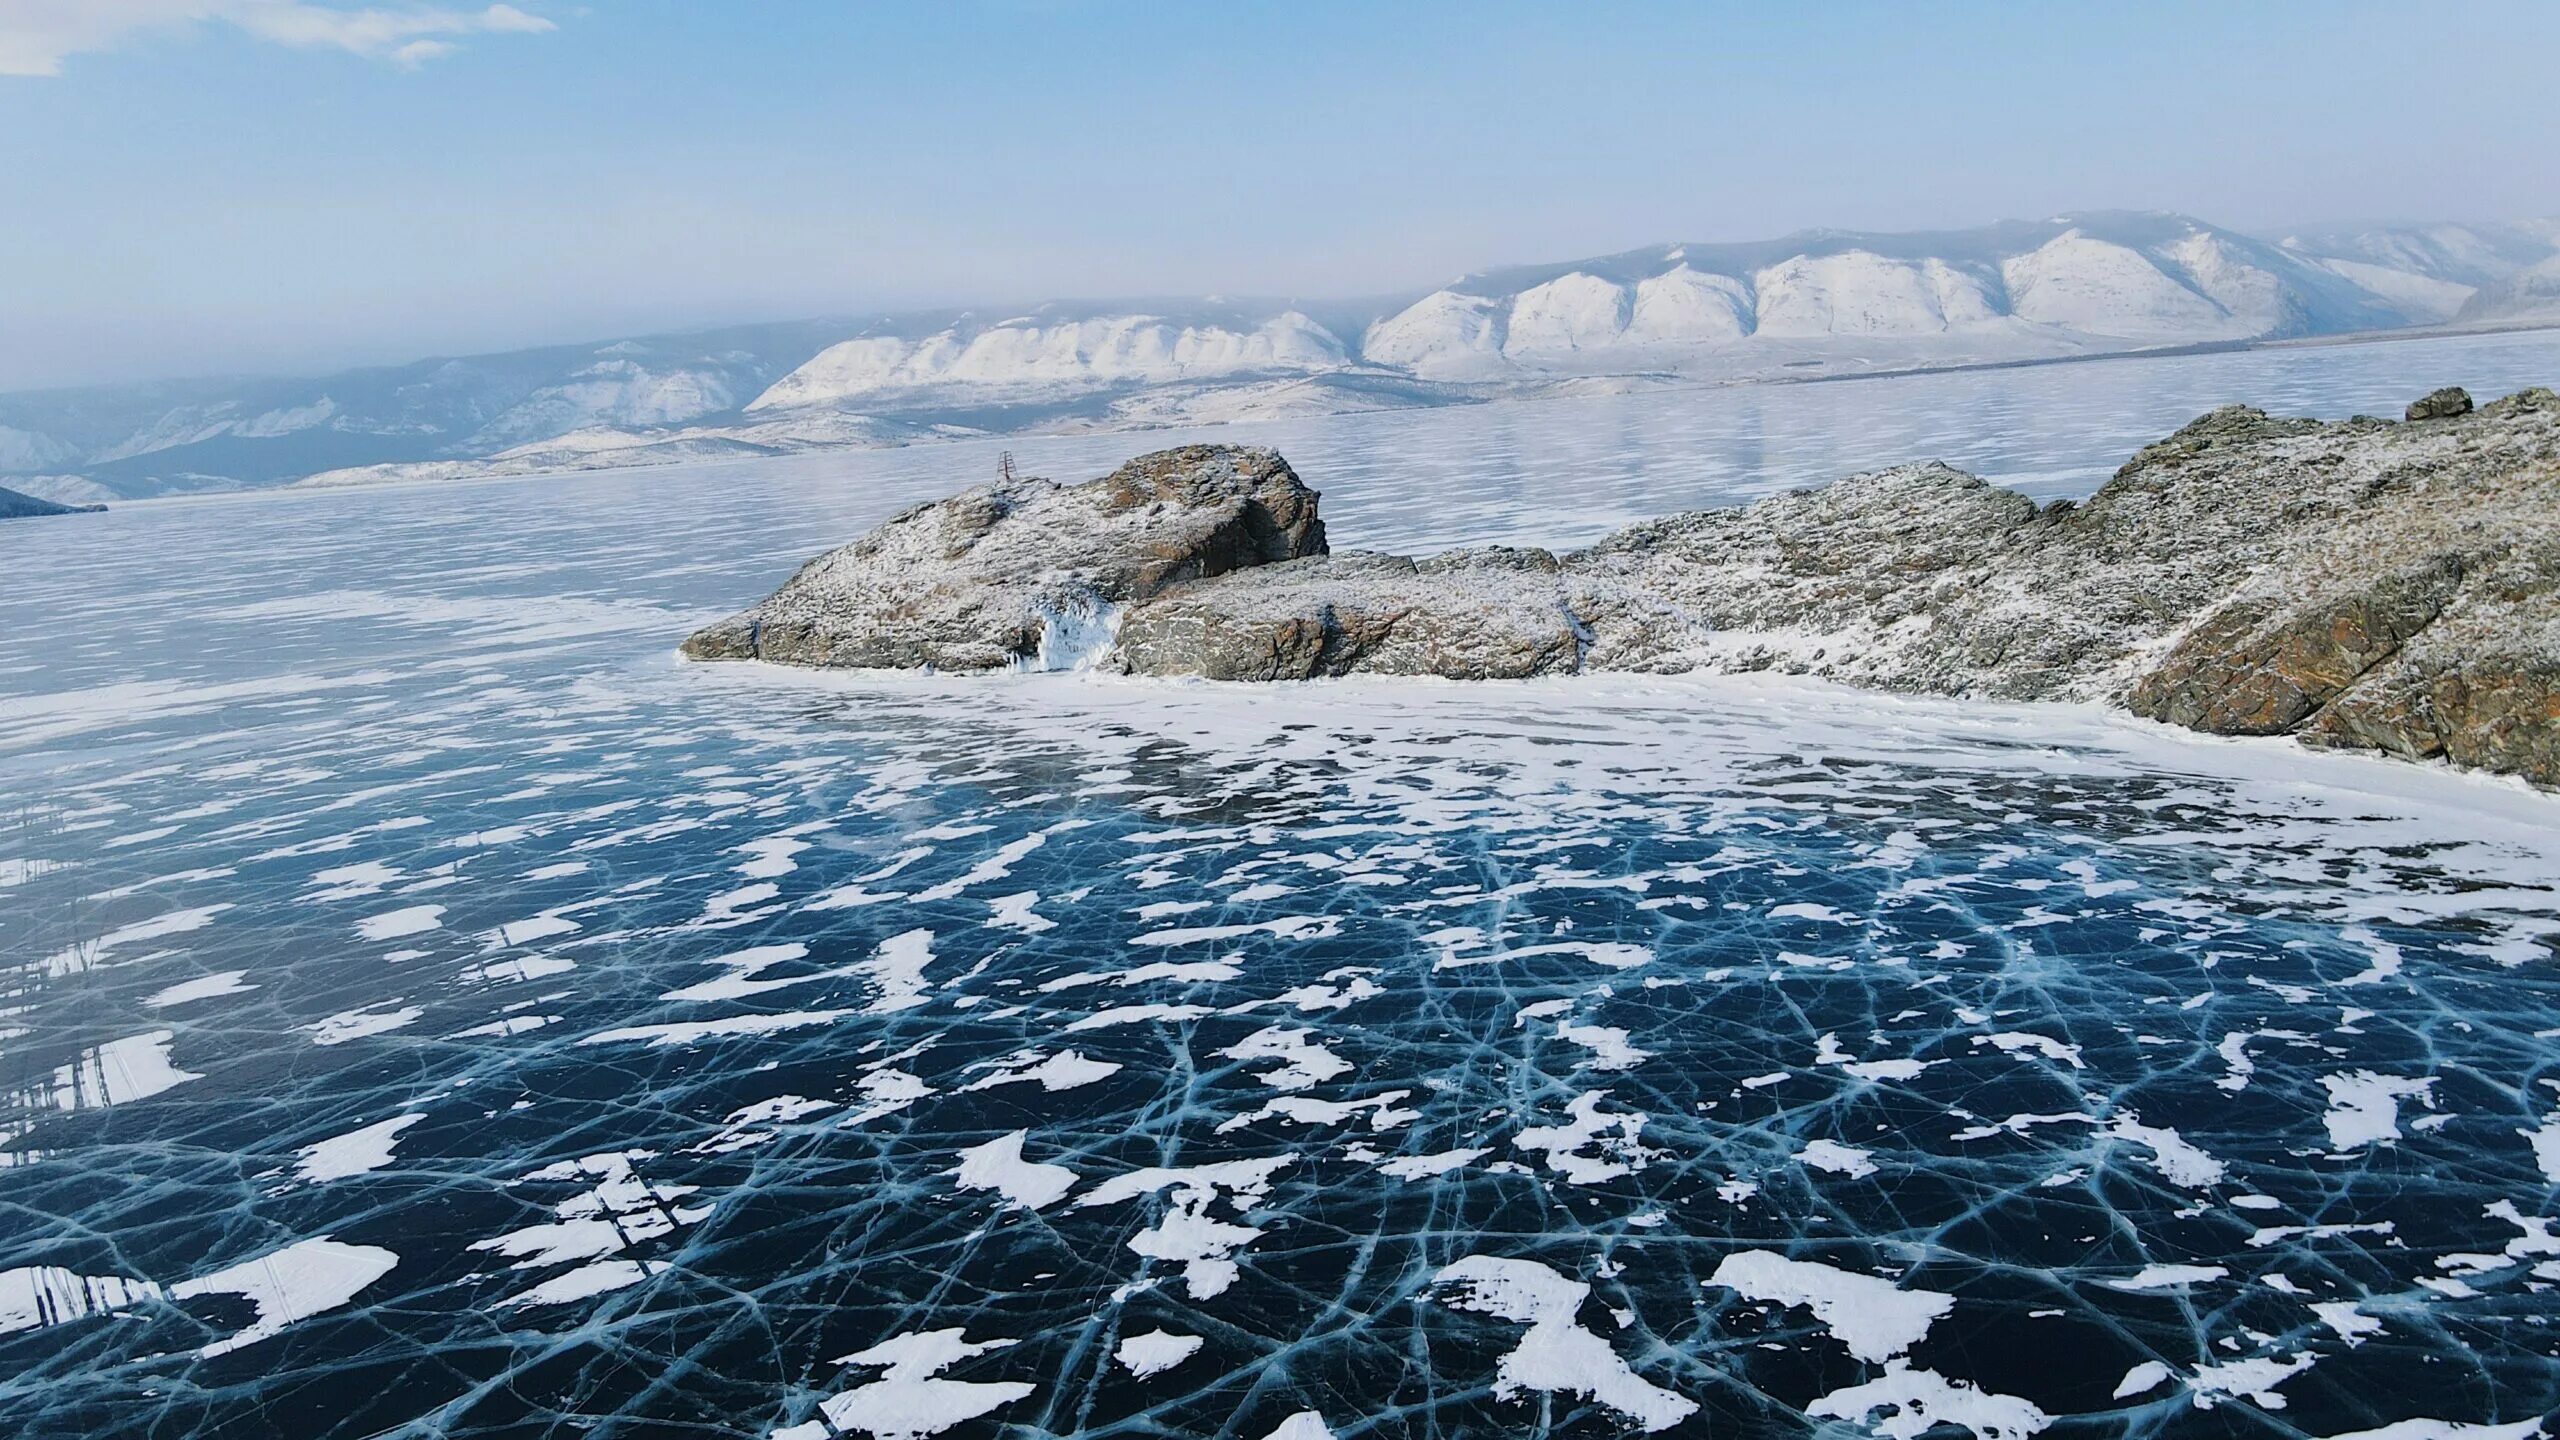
2365 584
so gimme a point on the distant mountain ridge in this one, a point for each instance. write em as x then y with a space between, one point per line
2042 287
1819 302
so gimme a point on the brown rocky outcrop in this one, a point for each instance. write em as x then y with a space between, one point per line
2441 404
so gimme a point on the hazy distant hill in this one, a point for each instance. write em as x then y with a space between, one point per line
1816 303
2532 293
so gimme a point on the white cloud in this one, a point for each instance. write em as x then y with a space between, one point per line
36 35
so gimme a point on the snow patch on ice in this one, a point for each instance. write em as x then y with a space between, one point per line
304 1279
1874 1317
998 1165
358 1152
910 1400
1154 1351
1557 1355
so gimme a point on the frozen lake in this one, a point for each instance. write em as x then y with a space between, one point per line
433 1009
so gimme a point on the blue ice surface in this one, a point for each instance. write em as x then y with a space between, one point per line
435 1010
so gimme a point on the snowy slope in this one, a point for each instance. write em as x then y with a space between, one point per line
28 451
624 391
2532 293
2424 298
1569 313
1052 351
2469 274
2473 255
1442 336
2076 281
1682 306
1859 292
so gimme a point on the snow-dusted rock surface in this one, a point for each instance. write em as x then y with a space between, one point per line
1490 614
2406 599
1025 571
2365 583
2362 583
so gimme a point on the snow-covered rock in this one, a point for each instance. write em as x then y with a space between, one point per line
1026 572
286 420
72 490
1494 614
2472 255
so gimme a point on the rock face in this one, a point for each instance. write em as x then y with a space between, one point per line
2441 404
17 506
2361 584
1493 614
1026 572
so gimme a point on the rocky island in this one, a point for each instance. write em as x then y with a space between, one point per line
16 505
2367 583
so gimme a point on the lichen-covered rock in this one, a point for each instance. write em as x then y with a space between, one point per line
2441 404
2495 711
1494 614
2221 428
1027 571
1862 580
2480 685
2409 603
2263 665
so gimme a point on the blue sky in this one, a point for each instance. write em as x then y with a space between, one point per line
224 186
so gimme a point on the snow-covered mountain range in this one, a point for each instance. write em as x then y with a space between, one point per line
1821 303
